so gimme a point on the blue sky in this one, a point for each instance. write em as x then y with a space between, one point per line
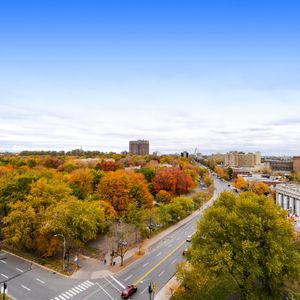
216 75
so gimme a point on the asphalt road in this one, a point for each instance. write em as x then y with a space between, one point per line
157 266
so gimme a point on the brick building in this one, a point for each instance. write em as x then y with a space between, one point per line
296 163
139 147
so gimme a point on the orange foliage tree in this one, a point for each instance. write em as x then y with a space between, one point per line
120 188
81 181
173 180
241 183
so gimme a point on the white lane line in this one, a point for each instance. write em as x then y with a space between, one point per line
105 291
39 280
19 270
161 273
78 287
66 295
62 297
173 261
3 261
158 254
25 287
143 291
146 264
127 278
4 275
117 281
112 285
57 298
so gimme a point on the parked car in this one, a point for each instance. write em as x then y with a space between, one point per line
189 238
128 291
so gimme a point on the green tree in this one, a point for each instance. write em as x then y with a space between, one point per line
137 217
247 241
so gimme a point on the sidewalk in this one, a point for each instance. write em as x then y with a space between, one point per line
91 268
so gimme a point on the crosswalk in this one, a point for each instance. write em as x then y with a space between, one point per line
74 291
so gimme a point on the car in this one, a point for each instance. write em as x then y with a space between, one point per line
185 251
189 238
128 291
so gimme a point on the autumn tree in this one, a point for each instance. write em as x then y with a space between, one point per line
163 197
81 181
173 180
260 188
243 243
121 188
241 183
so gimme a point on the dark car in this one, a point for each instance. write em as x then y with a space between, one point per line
185 251
128 291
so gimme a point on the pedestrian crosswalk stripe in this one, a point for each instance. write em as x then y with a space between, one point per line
74 291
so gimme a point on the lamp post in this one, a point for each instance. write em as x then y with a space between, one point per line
64 254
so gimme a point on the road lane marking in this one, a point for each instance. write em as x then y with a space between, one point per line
69 294
85 285
39 280
19 270
173 261
117 281
82 286
74 291
105 291
65 295
161 273
25 287
89 282
79 289
143 291
158 254
146 264
159 263
62 297
3 261
4 275
127 278
113 285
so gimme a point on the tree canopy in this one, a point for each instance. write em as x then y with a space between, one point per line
244 243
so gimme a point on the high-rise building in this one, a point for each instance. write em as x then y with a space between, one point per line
241 159
296 164
139 147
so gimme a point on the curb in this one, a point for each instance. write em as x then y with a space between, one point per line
35 263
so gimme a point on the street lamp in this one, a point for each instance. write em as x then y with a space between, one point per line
64 254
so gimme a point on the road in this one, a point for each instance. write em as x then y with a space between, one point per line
158 266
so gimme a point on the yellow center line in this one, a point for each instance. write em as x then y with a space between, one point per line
159 263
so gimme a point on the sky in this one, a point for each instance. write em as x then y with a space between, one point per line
213 75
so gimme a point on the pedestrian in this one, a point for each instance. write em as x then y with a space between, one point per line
105 261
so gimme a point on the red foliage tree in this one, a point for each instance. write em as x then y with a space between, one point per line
172 180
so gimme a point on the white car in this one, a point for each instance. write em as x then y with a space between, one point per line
189 238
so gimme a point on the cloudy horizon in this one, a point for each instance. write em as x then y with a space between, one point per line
183 77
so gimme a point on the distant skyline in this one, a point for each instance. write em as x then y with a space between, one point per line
211 75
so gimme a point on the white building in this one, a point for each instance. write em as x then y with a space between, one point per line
288 197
